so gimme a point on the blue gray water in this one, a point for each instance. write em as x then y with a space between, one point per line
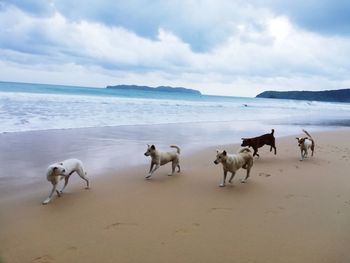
28 107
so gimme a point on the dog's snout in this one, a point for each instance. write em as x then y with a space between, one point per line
216 162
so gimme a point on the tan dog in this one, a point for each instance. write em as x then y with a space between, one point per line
232 162
306 143
161 158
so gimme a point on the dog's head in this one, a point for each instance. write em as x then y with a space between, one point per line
220 156
150 149
246 142
57 169
301 140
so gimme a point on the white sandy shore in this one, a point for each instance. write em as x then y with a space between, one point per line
289 211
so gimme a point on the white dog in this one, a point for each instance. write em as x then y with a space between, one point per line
232 162
161 158
306 143
57 171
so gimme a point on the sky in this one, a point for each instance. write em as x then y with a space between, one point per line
221 47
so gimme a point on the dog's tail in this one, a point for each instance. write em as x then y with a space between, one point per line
272 131
176 147
308 134
244 149
310 137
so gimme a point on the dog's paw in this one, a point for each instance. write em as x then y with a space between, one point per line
243 181
170 174
221 185
46 202
148 176
58 193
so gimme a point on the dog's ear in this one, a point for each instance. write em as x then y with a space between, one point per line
242 139
224 153
61 163
297 138
153 147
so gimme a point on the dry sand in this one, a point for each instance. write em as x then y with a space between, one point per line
288 211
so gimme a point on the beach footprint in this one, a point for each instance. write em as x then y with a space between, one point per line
120 224
181 231
224 209
289 196
43 259
186 230
275 211
264 174
72 248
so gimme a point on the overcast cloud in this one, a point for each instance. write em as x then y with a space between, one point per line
237 48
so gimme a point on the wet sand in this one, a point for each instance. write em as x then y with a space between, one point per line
288 211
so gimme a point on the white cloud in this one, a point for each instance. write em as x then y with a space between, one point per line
270 53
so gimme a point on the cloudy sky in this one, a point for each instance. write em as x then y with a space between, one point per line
225 47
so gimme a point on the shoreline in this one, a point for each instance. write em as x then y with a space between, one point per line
330 124
25 155
288 211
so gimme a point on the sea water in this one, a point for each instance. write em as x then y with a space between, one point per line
28 107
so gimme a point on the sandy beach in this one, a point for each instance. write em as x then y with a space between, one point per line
288 211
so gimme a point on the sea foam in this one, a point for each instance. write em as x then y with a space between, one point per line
24 110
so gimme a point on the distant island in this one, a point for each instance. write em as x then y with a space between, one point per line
341 95
160 88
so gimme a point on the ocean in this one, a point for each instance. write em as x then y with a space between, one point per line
30 107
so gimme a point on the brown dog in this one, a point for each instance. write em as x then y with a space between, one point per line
257 142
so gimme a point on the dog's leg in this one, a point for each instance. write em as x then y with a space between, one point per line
231 178
65 183
179 169
247 176
224 179
274 147
155 168
256 152
47 200
302 155
81 173
173 166
150 168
